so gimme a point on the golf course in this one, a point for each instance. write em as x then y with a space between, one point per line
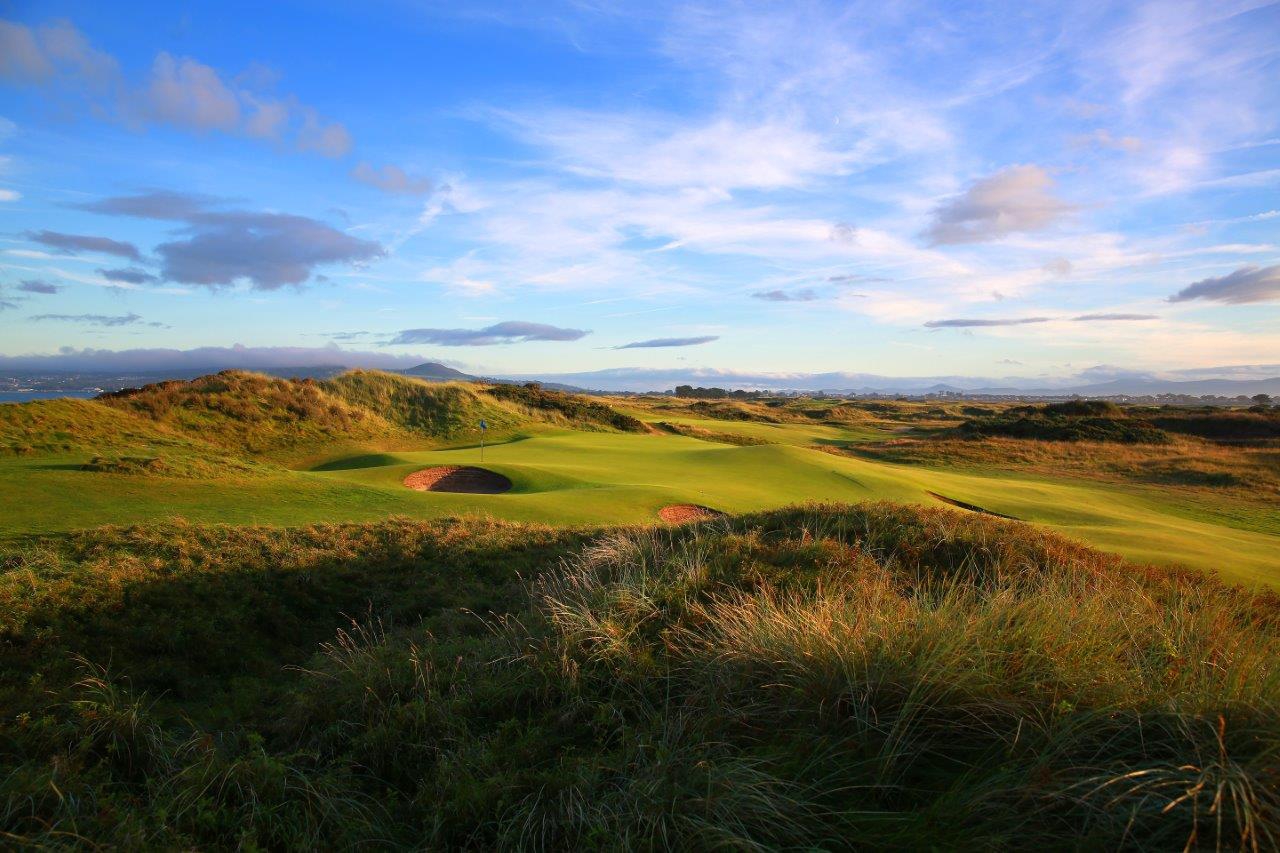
245 612
580 474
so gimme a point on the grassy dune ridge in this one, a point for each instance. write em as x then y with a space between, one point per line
902 676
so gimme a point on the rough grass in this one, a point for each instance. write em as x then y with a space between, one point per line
691 431
909 678
53 426
430 409
255 415
1080 420
1182 463
570 409
259 416
1221 425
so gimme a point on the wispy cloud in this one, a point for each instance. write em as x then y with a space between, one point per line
35 285
510 332
670 342
974 324
391 179
128 275
804 295
129 319
85 243
1090 318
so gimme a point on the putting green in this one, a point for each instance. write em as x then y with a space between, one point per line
580 478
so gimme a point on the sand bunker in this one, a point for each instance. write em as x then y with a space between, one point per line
677 513
458 478
970 507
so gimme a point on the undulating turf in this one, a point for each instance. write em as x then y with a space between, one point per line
592 478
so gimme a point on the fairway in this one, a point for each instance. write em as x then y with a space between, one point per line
568 477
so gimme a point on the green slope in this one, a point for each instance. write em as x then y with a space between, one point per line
577 478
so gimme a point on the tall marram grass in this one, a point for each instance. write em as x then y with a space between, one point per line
903 666
825 677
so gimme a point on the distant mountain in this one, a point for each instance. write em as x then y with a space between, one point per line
1137 385
649 379
1196 387
438 373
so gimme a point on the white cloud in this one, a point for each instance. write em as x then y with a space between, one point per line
391 179
655 151
189 94
178 91
1019 198
329 139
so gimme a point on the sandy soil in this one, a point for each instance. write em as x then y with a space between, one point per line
458 478
678 513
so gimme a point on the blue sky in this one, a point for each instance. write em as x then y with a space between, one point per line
1035 191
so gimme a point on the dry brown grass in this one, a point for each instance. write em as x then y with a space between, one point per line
1244 471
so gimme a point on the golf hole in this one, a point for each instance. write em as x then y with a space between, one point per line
458 478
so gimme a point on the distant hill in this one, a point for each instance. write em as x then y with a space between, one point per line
1195 388
438 372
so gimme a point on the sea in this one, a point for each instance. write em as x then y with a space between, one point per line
28 396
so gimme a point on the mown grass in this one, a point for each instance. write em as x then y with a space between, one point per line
814 677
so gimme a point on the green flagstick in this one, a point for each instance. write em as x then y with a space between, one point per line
483 427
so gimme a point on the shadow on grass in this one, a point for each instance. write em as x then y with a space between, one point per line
207 616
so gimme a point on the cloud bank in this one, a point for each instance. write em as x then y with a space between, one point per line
269 250
204 359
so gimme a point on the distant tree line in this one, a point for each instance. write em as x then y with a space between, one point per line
717 393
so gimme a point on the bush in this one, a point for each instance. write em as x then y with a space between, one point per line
1075 420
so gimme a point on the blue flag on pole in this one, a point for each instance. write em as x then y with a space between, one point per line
483 425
